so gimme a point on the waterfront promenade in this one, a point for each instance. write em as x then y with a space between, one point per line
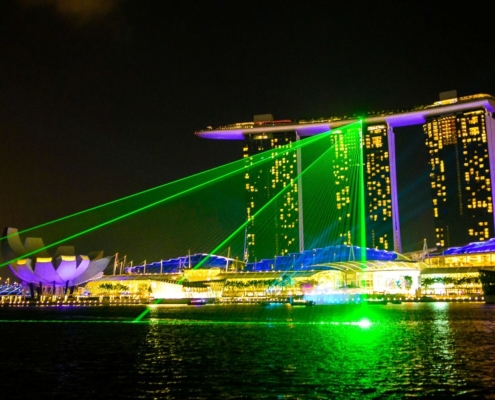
77 301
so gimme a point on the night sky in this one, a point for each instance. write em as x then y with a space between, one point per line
101 99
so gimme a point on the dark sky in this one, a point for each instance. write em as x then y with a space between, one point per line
101 99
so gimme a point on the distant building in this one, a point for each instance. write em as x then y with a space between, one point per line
460 138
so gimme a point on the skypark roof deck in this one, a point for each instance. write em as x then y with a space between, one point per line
310 128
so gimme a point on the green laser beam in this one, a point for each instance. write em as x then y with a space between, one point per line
240 228
260 160
113 202
277 195
243 225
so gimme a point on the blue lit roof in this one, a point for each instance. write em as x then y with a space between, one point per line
309 259
474 247
321 256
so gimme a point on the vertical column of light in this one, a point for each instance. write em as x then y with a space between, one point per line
490 137
361 202
300 196
394 190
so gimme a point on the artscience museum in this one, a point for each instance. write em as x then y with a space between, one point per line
42 273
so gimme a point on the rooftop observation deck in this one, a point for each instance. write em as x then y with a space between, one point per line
312 127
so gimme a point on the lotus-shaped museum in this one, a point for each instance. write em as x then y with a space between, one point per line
36 268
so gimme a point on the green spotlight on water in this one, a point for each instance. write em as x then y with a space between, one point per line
364 323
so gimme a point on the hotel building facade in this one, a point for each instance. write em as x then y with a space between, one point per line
262 184
460 139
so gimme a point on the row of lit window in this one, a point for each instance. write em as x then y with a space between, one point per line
385 216
486 188
472 140
484 234
375 200
474 157
373 170
375 163
477 178
290 225
375 142
381 203
478 204
385 181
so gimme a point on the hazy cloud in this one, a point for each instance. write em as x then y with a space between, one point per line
79 12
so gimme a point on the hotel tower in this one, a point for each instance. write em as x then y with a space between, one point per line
459 135
263 183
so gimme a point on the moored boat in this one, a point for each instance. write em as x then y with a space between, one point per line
376 301
302 302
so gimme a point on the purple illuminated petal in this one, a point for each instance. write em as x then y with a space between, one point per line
23 270
95 270
66 267
45 271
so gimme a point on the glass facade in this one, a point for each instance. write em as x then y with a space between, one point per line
284 231
273 227
460 177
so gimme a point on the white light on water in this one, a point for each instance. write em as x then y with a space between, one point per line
364 323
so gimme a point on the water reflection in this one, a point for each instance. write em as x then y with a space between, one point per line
427 350
324 352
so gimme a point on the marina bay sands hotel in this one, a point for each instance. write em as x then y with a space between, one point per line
459 135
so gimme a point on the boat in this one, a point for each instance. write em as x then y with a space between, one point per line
487 279
274 302
302 302
376 301
198 301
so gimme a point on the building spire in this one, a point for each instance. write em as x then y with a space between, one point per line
425 254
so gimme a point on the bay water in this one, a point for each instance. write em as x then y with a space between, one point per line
393 351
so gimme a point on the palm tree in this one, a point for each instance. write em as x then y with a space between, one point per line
446 281
408 282
426 282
